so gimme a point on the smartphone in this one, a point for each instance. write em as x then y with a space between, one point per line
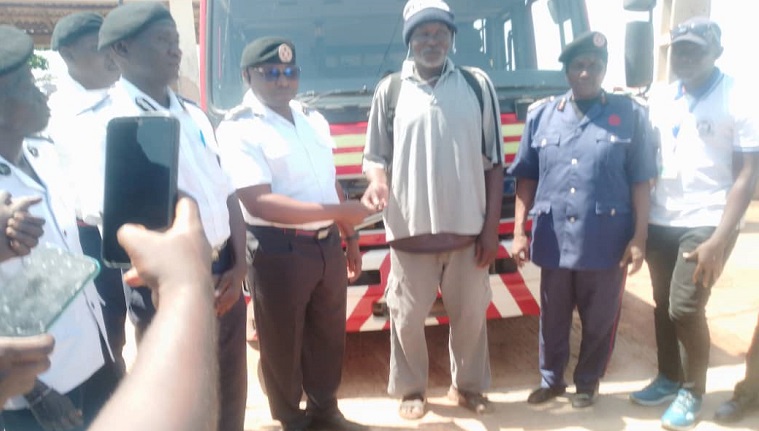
38 287
141 158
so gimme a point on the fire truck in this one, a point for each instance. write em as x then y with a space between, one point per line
345 47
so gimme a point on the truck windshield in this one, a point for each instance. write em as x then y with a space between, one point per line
344 47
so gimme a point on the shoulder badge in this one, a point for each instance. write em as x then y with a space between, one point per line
238 112
539 103
188 101
101 104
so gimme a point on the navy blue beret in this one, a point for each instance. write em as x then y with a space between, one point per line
590 42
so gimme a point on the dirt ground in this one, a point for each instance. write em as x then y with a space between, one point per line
732 314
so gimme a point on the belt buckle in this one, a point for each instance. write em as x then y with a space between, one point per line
216 251
322 233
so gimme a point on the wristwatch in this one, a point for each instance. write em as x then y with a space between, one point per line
353 237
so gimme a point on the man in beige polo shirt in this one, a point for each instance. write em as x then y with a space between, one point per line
438 175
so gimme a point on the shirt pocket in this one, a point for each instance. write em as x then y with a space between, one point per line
612 150
547 147
286 163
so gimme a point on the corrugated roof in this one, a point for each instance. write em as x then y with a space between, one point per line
38 18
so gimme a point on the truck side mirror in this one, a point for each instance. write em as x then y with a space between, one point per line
559 11
639 5
639 53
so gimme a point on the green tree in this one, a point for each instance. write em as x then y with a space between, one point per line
37 61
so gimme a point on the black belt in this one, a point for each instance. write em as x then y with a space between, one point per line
318 234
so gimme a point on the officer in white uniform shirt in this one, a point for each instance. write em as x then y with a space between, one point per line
279 156
142 39
30 168
90 74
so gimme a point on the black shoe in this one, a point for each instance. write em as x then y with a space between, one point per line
473 401
584 399
541 395
335 422
733 410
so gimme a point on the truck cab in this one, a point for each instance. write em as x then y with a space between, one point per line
345 47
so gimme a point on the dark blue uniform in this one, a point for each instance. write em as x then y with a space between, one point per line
586 166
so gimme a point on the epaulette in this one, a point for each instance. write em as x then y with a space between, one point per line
42 136
541 102
101 104
188 101
238 112
639 98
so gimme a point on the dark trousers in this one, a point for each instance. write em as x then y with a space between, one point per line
749 387
89 397
682 332
232 355
110 287
598 298
299 288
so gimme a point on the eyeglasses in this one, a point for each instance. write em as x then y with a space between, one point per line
272 74
707 31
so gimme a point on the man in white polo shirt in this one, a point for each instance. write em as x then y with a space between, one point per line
709 146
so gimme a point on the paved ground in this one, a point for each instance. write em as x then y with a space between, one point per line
513 348
732 314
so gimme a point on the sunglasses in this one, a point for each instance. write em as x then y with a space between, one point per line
272 74
705 30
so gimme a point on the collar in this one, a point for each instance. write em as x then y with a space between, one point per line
258 108
147 103
703 90
29 154
569 97
408 69
75 93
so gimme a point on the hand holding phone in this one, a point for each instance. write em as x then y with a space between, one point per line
141 163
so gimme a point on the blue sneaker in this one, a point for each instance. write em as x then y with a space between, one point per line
683 413
661 390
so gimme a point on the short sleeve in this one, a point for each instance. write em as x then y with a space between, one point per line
641 164
742 103
491 120
243 159
378 151
526 163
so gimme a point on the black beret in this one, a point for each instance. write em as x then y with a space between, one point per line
130 19
71 27
15 49
270 49
590 42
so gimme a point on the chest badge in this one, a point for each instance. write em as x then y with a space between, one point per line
614 120
705 128
5 170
